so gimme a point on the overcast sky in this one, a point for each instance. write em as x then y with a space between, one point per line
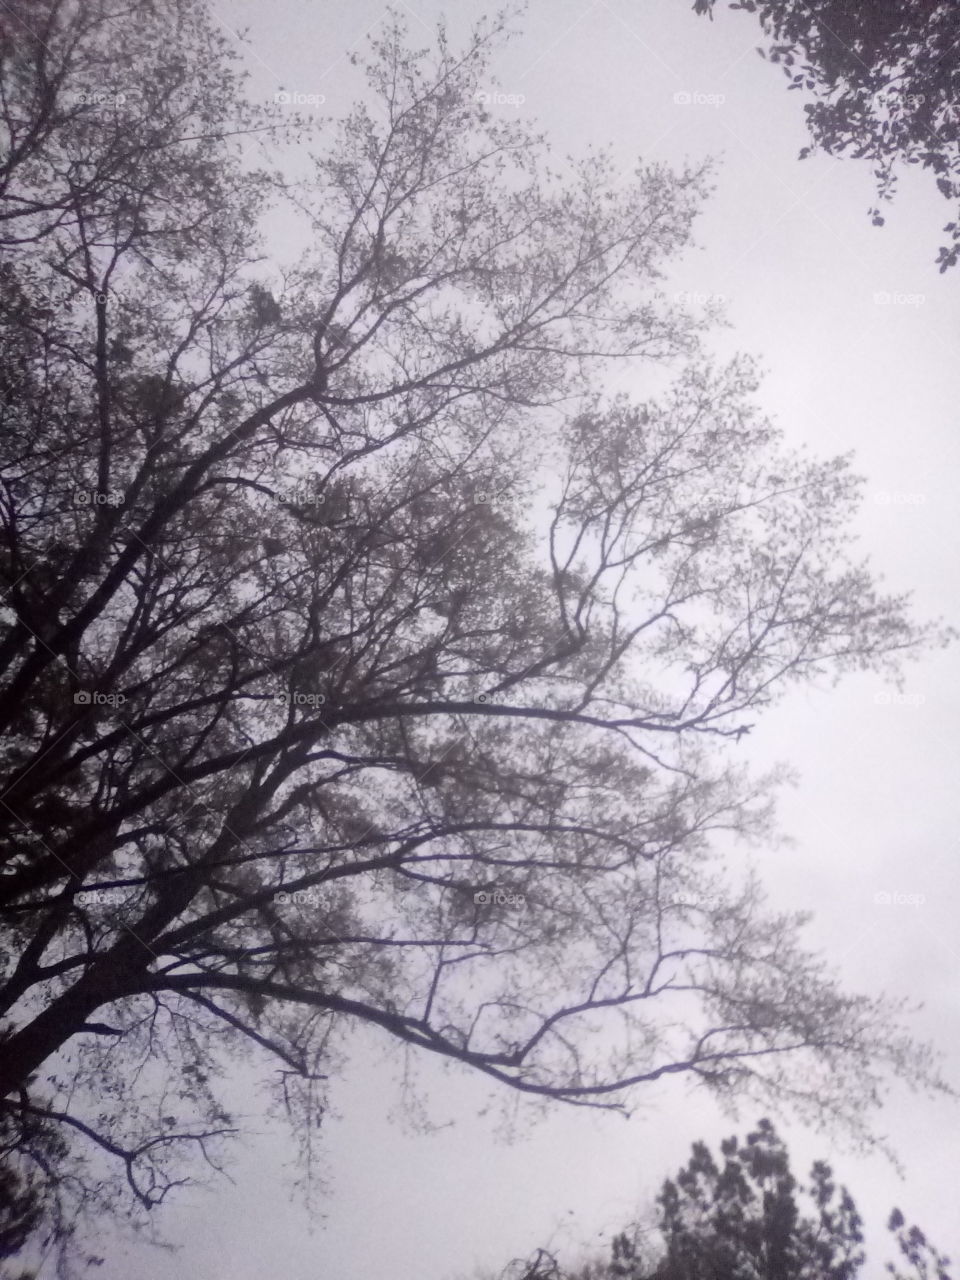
805 277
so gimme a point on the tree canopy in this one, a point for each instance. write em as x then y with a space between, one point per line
361 660
746 1217
885 77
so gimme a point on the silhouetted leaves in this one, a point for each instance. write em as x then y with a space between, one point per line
886 79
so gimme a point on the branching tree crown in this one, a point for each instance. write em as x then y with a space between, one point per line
362 662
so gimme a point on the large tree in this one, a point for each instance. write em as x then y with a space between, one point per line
361 661
885 78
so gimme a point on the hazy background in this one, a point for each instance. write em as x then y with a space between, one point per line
790 247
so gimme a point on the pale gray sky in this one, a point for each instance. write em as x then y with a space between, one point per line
876 810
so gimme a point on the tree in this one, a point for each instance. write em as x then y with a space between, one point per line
311 715
32 1154
22 1211
744 1218
886 82
747 1218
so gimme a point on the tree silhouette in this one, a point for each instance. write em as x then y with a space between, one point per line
746 1217
886 83
400 696
743 1217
